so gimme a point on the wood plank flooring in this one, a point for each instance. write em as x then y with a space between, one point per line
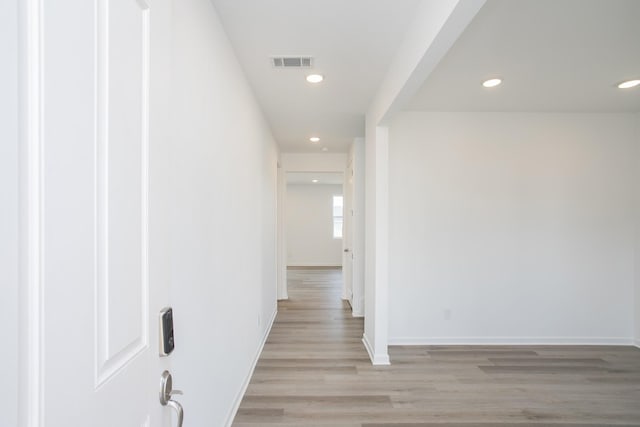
314 371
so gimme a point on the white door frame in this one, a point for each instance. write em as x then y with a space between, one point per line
298 162
9 215
30 208
290 162
357 153
281 235
348 232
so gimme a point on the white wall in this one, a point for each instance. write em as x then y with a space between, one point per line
309 219
434 28
224 279
9 212
311 162
637 287
512 228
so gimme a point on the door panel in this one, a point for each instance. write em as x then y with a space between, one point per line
103 281
122 183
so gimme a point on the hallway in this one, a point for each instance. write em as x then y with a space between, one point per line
315 371
308 371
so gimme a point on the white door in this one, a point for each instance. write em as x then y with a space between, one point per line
347 235
98 83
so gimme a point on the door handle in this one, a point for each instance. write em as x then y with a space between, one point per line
166 391
178 408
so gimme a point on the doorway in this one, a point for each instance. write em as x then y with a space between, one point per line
345 170
314 219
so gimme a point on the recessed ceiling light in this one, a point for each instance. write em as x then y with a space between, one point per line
314 139
314 181
491 82
629 84
325 149
315 78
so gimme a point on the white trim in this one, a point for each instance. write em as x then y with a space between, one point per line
281 238
358 227
367 346
313 264
637 343
31 395
376 359
510 341
247 380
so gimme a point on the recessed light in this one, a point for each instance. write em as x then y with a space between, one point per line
491 82
325 149
315 78
314 139
629 84
314 181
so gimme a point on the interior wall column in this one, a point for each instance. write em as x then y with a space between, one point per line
376 325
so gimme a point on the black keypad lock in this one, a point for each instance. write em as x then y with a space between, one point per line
166 331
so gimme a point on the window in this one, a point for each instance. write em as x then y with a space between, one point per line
337 217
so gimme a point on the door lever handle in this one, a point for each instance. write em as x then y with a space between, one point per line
178 408
166 391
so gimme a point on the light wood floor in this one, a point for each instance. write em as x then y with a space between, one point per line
314 371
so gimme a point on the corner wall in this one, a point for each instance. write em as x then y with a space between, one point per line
433 30
512 228
224 219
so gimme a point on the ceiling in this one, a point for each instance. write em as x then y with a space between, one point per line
333 178
553 55
352 43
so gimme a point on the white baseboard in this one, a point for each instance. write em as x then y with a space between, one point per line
637 343
354 312
376 359
510 341
247 380
283 293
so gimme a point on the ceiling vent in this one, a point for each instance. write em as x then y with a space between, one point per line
292 61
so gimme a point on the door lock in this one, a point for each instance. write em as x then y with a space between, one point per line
166 391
